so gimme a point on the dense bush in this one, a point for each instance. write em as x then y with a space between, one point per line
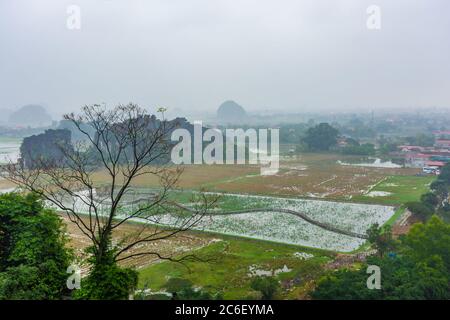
430 199
267 286
33 256
420 269
420 210
107 281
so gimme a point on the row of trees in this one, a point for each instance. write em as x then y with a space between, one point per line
324 137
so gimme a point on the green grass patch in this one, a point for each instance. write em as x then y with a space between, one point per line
227 263
401 189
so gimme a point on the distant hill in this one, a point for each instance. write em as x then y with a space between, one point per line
4 115
231 112
31 115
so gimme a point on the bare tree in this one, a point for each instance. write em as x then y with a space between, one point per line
122 144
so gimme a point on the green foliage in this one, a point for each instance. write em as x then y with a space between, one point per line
366 149
419 269
430 239
381 238
106 280
236 254
420 210
177 284
442 184
182 289
321 137
22 283
401 279
386 148
268 287
291 133
421 139
445 174
189 293
33 256
357 128
430 199
439 186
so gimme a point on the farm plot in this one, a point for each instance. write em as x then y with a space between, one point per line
286 228
307 175
279 226
312 175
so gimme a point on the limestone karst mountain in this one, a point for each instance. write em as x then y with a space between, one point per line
230 112
31 115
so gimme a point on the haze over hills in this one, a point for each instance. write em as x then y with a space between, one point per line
258 52
31 115
231 112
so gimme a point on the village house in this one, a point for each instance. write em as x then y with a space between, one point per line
442 143
416 160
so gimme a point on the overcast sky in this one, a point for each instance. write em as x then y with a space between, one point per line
294 55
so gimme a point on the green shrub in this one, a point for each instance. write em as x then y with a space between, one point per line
267 286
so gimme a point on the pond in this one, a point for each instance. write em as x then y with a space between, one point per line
371 162
9 149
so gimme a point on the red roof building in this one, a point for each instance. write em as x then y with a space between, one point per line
411 148
416 160
439 164
442 143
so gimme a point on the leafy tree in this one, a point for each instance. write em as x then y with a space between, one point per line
430 199
402 278
420 210
430 239
268 286
440 187
445 173
387 147
366 149
421 140
108 281
381 238
23 283
419 270
126 143
321 137
33 255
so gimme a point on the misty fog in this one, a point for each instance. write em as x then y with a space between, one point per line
269 56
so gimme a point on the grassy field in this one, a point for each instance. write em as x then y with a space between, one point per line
227 270
309 175
397 190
